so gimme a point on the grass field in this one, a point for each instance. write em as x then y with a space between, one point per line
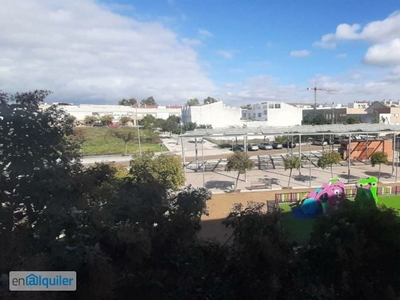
99 140
299 230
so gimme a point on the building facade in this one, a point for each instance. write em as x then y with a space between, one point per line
274 114
80 112
215 114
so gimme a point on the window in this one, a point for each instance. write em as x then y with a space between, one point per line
265 112
254 115
271 105
244 115
259 115
277 105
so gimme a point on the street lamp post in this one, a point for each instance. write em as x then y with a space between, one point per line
140 145
309 161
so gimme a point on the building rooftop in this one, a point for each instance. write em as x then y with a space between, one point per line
295 130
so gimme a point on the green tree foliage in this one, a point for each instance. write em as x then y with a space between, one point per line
90 120
247 106
190 126
315 120
328 159
164 169
125 135
149 122
239 162
127 102
106 120
148 101
345 247
379 158
291 162
170 126
260 255
193 102
124 120
210 100
353 120
375 118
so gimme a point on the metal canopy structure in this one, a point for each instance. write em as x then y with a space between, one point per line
294 130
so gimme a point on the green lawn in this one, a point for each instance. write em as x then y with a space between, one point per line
299 230
99 140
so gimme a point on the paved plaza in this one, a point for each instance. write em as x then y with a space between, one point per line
269 169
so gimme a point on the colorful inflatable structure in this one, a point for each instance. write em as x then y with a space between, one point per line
367 191
323 200
328 198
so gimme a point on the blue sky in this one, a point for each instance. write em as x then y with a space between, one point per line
240 52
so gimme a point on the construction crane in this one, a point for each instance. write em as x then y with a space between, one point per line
315 89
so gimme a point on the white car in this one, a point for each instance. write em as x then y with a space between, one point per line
265 146
252 147
320 143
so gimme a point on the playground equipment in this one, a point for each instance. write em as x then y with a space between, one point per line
324 199
367 191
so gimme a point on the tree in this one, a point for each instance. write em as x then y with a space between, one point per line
38 163
380 158
129 102
190 126
353 120
90 119
291 162
148 122
328 159
170 126
318 119
125 135
107 120
375 117
148 101
193 102
239 162
210 100
164 169
124 120
350 238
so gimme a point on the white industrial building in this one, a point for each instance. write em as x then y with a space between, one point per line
215 114
80 112
274 114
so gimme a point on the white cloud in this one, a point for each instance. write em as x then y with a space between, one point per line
84 52
226 54
300 53
383 34
341 55
205 33
377 32
387 54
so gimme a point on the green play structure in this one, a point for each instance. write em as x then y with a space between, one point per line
367 191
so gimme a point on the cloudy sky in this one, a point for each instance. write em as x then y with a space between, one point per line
100 51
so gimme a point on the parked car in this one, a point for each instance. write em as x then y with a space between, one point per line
277 145
98 124
337 140
320 143
252 147
289 145
265 146
238 148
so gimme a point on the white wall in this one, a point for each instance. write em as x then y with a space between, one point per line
215 114
274 114
118 111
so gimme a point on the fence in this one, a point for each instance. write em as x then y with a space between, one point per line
350 192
